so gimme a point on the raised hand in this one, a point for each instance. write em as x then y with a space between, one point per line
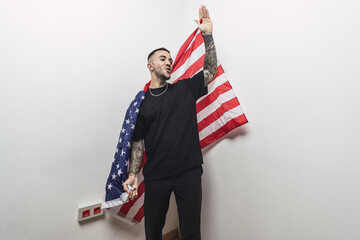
204 23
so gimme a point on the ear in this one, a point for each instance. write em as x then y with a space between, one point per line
150 66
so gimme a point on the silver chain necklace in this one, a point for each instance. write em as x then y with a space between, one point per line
156 95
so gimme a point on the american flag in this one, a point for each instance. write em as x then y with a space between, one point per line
218 113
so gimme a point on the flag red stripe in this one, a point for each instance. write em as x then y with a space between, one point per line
223 88
147 85
143 161
139 215
141 189
230 125
183 48
226 106
194 68
203 103
220 71
126 207
186 55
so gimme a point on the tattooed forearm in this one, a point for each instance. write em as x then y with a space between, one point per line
210 62
137 154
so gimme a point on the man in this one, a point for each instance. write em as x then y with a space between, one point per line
167 129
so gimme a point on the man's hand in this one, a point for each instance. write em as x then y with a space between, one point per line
132 181
137 154
210 61
204 23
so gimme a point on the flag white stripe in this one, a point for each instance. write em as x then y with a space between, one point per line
122 199
219 80
135 208
221 121
114 210
192 41
195 55
215 105
115 202
197 33
140 177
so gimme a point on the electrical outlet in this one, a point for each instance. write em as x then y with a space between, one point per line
89 212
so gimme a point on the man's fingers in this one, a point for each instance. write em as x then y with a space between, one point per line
203 12
133 194
207 13
197 22
203 8
125 188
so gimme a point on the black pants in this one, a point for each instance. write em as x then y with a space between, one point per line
188 193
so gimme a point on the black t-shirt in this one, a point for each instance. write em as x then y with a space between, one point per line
168 125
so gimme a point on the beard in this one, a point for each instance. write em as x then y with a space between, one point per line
161 75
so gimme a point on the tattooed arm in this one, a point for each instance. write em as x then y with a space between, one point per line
137 154
206 28
210 62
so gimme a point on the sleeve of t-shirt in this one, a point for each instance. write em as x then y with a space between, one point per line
139 129
196 85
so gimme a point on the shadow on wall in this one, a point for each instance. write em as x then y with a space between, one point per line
237 132
134 231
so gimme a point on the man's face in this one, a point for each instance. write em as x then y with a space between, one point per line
162 62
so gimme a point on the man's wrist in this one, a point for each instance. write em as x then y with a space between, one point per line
206 33
132 175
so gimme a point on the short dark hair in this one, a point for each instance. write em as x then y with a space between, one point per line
158 49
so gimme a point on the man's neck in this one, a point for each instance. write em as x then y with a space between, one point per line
157 83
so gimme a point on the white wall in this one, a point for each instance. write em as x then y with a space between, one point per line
293 172
68 70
